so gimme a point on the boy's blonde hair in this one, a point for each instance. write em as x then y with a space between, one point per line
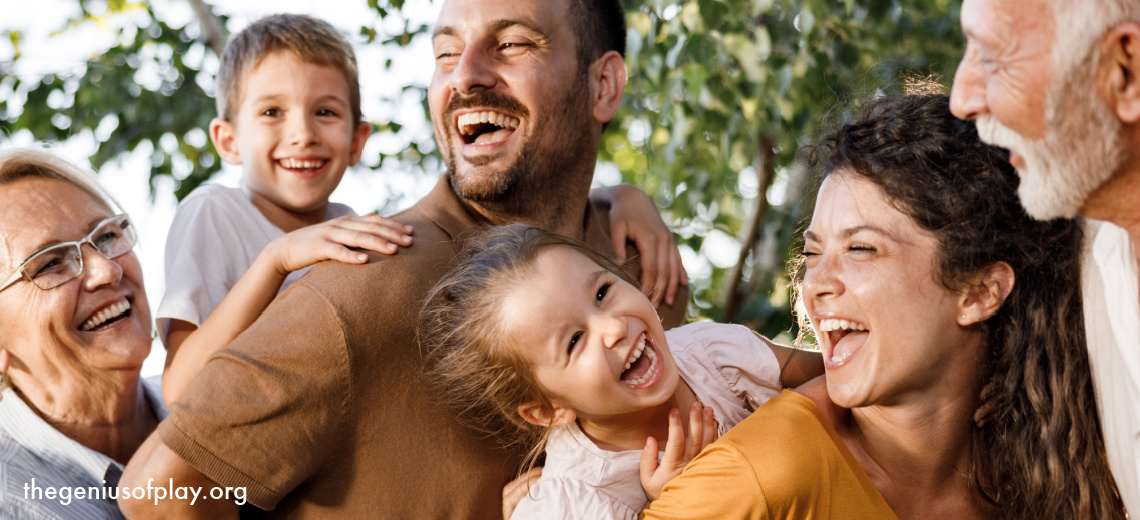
475 370
310 39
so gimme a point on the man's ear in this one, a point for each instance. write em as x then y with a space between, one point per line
1119 75
607 84
359 137
224 138
985 294
540 414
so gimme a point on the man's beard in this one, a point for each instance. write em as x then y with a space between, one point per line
1081 149
538 174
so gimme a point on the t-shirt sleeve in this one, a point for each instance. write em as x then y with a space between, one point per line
727 356
266 412
570 499
718 483
204 259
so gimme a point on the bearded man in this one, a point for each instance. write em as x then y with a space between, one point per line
1057 82
317 409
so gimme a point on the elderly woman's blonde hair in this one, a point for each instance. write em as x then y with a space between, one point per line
40 161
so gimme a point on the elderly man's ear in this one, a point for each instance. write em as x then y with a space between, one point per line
1119 74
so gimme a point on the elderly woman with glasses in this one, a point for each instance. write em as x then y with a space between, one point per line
74 330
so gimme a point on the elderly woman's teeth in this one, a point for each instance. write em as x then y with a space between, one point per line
832 325
105 315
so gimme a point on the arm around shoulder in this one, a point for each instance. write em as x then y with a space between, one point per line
157 469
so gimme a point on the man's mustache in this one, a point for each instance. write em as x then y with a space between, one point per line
487 100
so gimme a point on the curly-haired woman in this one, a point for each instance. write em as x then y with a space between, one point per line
956 385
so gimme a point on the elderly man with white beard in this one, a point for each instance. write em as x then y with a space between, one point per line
1057 82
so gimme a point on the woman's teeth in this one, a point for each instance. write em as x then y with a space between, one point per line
833 325
105 315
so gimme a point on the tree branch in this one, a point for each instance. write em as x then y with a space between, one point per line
765 166
214 33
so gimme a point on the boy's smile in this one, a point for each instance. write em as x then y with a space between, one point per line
293 134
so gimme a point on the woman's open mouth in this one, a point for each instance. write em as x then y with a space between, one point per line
107 316
844 339
642 368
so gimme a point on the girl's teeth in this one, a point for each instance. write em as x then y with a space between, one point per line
637 355
652 363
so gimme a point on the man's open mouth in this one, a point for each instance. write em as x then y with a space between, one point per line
485 127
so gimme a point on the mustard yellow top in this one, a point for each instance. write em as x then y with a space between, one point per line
785 461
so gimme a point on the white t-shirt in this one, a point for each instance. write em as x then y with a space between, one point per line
1111 291
216 235
728 367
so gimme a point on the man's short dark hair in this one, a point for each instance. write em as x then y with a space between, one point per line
600 28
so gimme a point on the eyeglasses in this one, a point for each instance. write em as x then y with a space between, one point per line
60 263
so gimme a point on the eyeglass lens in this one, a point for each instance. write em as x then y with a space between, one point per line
57 265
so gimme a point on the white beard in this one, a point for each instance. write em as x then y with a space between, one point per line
1076 156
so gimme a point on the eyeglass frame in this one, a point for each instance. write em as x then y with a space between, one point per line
78 244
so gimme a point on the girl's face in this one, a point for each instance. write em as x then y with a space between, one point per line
886 325
593 341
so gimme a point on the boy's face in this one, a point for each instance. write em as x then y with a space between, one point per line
293 132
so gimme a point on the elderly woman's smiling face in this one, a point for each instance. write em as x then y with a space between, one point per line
49 333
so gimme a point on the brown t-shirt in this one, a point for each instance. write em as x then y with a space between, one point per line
318 409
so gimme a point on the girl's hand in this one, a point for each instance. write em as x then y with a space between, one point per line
332 239
634 217
702 432
516 489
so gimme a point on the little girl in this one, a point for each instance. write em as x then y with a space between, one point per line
543 343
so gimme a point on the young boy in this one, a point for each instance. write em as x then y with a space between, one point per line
288 102
289 112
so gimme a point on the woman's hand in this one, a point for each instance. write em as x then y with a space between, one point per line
332 240
516 489
634 217
702 432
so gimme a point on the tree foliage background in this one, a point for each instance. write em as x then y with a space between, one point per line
721 95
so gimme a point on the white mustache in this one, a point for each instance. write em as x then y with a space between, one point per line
993 132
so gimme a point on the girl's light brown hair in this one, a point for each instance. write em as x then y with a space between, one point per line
470 362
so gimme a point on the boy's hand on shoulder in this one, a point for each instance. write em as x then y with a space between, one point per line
332 240
679 448
635 218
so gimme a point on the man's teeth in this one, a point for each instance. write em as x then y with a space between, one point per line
832 325
298 164
652 363
106 314
467 121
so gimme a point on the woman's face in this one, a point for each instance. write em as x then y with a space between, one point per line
578 326
64 332
887 327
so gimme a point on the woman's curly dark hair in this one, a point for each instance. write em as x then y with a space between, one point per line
1037 448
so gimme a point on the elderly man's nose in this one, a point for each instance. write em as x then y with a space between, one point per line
473 72
968 97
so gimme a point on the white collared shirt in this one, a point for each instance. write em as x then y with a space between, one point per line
36 458
1111 291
